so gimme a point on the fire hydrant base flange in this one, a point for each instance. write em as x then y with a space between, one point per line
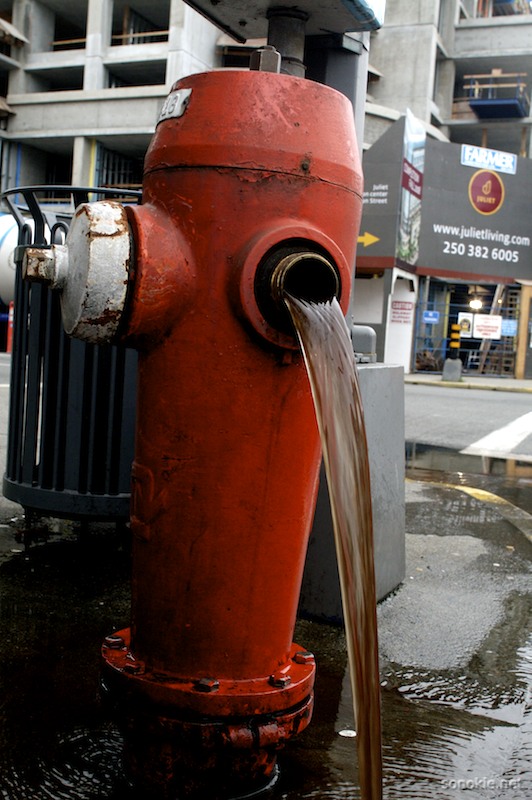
283 690
189 738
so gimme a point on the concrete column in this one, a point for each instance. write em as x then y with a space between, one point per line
37 23
445 80
83 162
341 61
99 28
191 43
176 24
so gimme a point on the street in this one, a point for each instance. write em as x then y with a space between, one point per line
460 419
5 368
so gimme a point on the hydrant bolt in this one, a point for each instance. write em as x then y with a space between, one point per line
207 685
265 59
304 657
280 681
114 642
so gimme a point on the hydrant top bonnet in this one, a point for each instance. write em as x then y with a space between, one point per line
238 135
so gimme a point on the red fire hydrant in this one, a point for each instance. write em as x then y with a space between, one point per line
252 189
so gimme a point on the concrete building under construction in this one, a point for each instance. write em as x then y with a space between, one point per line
81 85
459 72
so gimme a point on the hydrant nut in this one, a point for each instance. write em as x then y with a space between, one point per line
47 265
280 680
265 59
207 685
304 657
114 642
38 265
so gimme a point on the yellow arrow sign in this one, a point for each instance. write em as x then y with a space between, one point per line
367 239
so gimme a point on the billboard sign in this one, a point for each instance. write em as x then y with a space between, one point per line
465 320
382 187
474 221
414 137
393 188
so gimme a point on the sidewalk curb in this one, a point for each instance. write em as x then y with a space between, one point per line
468 385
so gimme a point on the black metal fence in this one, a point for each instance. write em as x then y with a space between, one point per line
72 405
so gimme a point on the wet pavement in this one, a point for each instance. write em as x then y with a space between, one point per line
455 648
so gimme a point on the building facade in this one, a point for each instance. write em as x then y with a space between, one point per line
83 82
81 85
459 72
435 56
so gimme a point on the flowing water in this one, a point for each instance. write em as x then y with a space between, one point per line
331 367
455 651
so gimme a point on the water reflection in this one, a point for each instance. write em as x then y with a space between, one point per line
57 601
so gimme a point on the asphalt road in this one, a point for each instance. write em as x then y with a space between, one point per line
460 420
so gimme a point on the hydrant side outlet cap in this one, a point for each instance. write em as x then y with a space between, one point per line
99 253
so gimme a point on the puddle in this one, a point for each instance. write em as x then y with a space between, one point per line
465 730
513 479
457 721
57 601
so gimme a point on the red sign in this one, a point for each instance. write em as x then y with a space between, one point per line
412 179
486 191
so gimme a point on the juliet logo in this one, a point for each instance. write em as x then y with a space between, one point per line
486 191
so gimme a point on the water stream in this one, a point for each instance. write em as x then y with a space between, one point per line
453 726
329 357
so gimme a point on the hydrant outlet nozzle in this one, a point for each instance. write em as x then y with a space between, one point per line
91 270
304 274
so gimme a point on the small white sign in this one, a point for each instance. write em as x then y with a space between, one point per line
487 326
175 104
483 158
465 320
